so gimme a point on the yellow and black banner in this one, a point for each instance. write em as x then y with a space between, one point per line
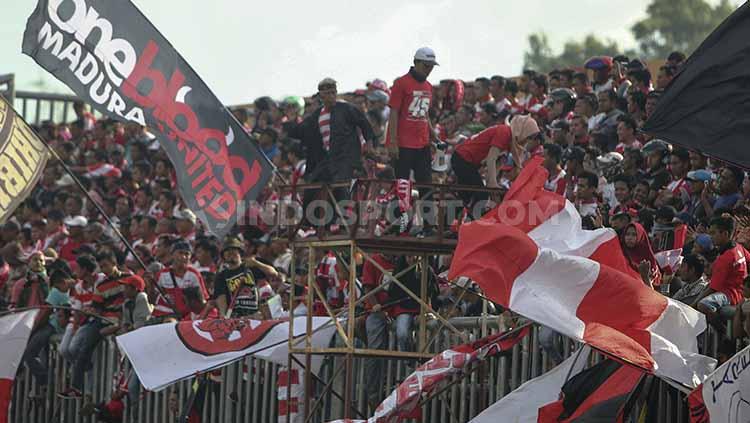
22 159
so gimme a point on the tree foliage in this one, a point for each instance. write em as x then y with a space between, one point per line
669 25
677 25
540 56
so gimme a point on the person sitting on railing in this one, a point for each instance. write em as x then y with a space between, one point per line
48 322
136 311
727 273
741 320
107 302
82 296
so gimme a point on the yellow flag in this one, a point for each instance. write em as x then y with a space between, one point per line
22 159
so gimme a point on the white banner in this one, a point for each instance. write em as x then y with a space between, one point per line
163 354
724 397
15 329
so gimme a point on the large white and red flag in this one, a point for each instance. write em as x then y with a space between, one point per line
403 402
163 354
724 397
15 329
531 255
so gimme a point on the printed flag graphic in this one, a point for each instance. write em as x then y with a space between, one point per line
111 56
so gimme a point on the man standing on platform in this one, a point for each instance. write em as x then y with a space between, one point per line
409 128
330 136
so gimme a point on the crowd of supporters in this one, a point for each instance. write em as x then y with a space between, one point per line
58 249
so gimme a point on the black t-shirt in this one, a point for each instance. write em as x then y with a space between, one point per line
239 286
658 178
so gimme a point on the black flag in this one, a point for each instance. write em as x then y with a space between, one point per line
109 54
706 107
598 394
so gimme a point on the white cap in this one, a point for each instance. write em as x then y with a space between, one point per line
185 214
65 181
426 54
76 222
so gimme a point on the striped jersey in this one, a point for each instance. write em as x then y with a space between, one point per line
172 285
324 122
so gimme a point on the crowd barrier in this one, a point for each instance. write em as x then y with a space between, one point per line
246 391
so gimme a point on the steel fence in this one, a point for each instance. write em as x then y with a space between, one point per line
246 391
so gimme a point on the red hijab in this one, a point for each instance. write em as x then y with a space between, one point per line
641 251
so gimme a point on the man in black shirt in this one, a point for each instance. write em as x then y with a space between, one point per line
235 290
658 176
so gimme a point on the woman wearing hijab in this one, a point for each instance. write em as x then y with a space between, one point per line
637 249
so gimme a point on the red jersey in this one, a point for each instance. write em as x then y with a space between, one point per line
411 99
728 271
475 149
66 249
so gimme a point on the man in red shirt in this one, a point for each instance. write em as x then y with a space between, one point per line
409 129
409 125
487 146
727 272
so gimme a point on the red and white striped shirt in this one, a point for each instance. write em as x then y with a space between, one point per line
172 285
102 169
299 172
680 188
82 297
557 184
327 275
324 122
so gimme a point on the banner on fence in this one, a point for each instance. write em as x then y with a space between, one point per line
110 55
163 354
15 329
724 397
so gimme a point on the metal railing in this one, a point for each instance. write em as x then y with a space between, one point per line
247 390
37 108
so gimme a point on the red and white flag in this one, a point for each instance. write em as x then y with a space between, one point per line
402 403
531 255
15 329
670 260
163 354
724 397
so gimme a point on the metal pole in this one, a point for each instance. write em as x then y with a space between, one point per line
308 333
422 309
101 211
350 334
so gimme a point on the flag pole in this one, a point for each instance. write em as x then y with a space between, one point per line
99 208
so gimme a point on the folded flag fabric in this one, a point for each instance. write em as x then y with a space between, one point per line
576 283
15 329
599 393
402 403
670 260
523 404
190 347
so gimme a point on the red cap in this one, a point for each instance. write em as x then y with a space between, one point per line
135 281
